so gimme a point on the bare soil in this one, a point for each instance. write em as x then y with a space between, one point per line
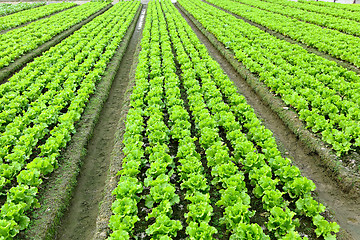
102 222
343 206
79 221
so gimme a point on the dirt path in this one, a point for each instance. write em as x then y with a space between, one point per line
79 221
345 209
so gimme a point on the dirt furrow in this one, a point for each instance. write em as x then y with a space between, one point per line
79 221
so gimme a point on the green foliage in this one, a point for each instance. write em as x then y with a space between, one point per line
129 186
51 93
164 226
158 100
293 235
25 16
195 183
125 223
29 177
324 94
309 207
34 34
249 231
163 208
7 8
281 221
264 184
235 214
124 206
201 231
199 212
221 172
8 228
324 228
231 196
273 198
299 187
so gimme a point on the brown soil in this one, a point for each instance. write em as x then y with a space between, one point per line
131 57
343 206
79 221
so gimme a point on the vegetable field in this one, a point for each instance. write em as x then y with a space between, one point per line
201 119
6 8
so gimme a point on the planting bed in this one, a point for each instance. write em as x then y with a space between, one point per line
22 40
333 42
32 14
185 165
7 8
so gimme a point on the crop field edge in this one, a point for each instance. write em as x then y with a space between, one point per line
347 180
18 64
57 191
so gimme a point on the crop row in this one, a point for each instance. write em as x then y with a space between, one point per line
234 200
265 167
52 92
26 16
344 25
325 95
202 103
191 170
145 120
22 40
337 6
7 8
333 42
162 195
318 9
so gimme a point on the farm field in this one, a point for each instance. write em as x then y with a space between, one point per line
6 8
195 119
22 17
